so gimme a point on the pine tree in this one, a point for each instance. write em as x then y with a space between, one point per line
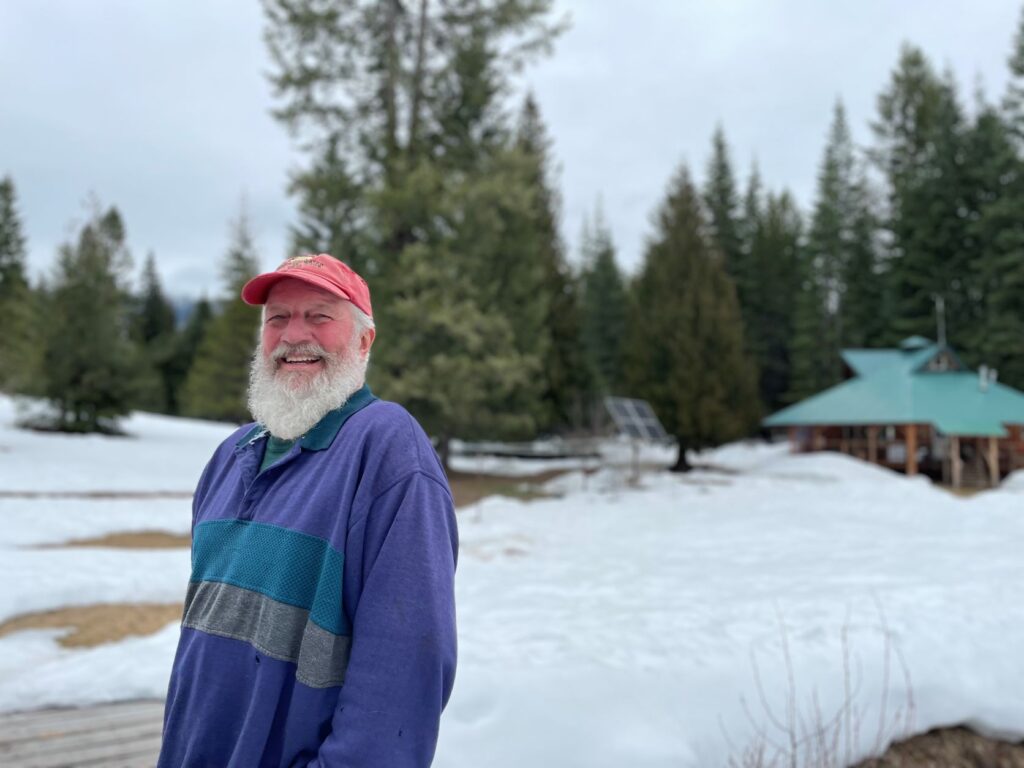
722 201
604 308
154 317
565 378
841 270
747 280
186 348
920 150
775 259
19 343
332 211
154 330
995 168
687 353
809 369
89 364
1013 100
996 174
447 359
216 385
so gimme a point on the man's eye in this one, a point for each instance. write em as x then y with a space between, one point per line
275 318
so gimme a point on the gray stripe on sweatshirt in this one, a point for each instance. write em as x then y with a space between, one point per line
276 629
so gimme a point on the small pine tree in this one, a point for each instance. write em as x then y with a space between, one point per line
687 353
216 385
89 364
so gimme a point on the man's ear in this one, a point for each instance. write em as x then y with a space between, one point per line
366 341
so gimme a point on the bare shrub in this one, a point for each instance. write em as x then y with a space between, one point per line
800 734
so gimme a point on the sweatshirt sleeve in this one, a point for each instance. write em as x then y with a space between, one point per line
400 563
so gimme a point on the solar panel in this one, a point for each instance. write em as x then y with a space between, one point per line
635 419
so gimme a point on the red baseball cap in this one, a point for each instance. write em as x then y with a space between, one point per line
321 270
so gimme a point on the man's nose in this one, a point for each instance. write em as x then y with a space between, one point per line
297 331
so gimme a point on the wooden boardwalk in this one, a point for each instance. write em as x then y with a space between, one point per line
121 735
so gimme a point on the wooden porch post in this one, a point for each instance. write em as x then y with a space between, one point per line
910 440
794 447
958 465
993 461
873 444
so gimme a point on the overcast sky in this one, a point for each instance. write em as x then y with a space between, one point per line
161 108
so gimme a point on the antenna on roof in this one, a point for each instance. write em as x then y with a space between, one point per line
940 318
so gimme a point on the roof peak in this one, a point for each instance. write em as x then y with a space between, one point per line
914 343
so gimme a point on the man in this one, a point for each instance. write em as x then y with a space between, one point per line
319 624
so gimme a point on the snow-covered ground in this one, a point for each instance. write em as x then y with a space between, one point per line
620 624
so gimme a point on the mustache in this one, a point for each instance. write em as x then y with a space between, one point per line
312 350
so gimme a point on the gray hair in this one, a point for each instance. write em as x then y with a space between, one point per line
363 321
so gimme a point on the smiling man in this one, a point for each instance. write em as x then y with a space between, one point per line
319 624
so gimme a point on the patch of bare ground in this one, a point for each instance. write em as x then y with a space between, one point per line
469 487
136 540
92 625
949 748
124 540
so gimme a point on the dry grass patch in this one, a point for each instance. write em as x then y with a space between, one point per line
469 487
92 625
125 540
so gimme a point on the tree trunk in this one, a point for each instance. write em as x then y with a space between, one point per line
681 465
417 82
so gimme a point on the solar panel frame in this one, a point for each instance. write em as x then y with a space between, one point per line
635 419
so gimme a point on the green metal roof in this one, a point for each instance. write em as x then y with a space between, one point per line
894 386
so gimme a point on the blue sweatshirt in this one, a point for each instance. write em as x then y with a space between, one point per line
319 624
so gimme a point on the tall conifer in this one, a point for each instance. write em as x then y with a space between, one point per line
841 270
565 377
775 259
686 352
920 150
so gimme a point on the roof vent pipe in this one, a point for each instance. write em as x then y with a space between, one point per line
983 378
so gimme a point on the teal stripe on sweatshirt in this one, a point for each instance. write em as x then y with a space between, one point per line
287 566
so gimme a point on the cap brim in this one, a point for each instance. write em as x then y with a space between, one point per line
256 290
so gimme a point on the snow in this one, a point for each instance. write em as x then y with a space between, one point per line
626 622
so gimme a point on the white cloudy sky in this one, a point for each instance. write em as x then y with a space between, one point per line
161 107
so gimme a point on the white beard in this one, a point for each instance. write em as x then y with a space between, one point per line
286 403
